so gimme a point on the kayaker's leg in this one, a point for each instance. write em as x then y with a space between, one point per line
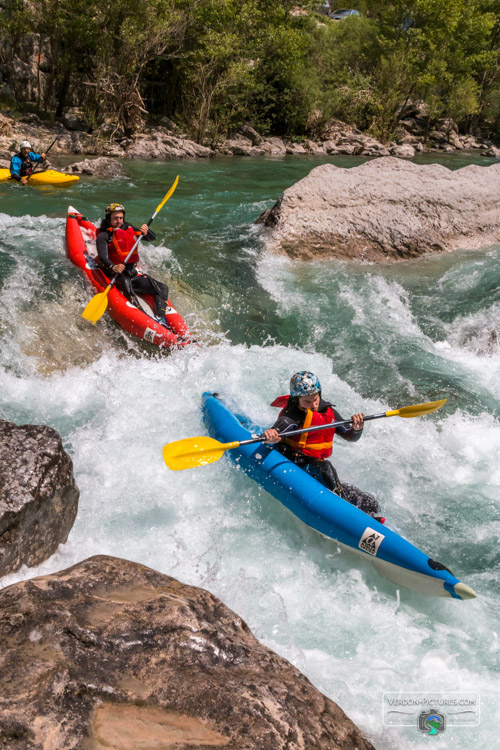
161 298
325 473
362 500
125 285
144 284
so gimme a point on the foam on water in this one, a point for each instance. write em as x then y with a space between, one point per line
374 346
325 610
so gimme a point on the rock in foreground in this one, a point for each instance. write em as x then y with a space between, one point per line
110 654
385 210
38 495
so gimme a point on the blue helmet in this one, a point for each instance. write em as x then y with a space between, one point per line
304 384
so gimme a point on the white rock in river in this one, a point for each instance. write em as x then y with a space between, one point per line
386 209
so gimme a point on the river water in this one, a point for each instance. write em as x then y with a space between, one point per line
378 337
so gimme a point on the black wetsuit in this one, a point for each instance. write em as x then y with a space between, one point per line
130 282
321 469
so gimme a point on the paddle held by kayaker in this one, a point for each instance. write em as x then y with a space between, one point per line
305 407
115 239
21 164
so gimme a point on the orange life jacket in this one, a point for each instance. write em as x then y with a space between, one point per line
316 444
121 244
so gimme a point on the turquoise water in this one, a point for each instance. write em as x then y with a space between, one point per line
378 337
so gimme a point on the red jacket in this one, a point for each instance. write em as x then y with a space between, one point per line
121 244
316 444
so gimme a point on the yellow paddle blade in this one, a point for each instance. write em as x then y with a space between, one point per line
418 410
168 195
97 306
192 452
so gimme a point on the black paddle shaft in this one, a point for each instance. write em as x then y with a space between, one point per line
312 429
45 152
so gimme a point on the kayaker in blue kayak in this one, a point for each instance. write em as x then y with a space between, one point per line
115 239
305 407
21 164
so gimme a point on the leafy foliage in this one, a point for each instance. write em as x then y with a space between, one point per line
275 64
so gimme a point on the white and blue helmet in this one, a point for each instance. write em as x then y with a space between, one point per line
304 384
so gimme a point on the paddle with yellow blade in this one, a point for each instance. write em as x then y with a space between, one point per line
198 451
99 303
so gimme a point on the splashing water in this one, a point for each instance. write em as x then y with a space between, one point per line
377 337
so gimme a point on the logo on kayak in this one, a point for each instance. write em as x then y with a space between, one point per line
149 335
371 541
169 310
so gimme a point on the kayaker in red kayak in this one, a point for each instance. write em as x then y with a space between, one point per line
305 407
115 239
21 164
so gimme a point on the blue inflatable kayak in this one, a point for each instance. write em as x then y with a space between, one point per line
393 557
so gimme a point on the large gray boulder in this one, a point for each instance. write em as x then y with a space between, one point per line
251 134
273 146
403 150
38 495
111 654
238 146
384 210
160 144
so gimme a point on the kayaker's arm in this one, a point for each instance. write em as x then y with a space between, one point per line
15 168
349 433
102 249
282 424
148 235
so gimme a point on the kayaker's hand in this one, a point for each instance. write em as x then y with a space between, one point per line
44 156
119 268
271 436
358 421
24 180
144 229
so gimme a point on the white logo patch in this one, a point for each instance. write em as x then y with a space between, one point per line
149 335
169 310
371 541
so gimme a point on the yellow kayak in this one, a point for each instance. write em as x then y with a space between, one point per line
49 177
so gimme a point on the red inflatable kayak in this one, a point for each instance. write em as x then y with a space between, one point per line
81 250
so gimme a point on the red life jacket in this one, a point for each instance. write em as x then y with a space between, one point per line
316 444
121 244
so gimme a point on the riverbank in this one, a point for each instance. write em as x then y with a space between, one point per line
166 141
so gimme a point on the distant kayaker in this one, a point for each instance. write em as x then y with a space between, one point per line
114 241
21 164
305 407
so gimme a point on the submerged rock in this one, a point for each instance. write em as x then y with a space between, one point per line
103 166
38 495
111 654
384 210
